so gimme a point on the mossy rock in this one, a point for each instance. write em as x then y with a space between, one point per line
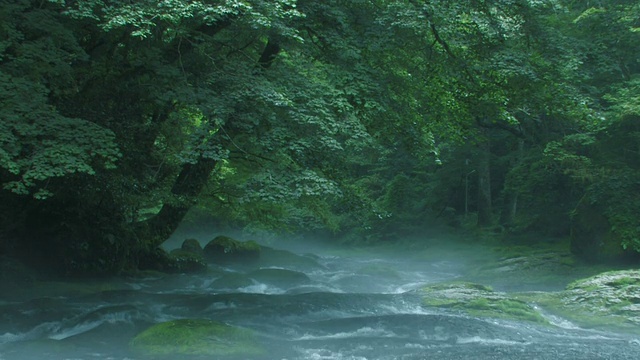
479 300
232 281
187 261
196 338
279 277
226 249
609 301
193 246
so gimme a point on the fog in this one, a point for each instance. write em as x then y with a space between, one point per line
314 298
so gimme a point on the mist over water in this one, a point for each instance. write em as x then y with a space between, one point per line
354 303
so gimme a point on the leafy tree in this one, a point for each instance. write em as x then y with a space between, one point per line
179 87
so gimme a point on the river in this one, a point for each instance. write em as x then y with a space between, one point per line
351 305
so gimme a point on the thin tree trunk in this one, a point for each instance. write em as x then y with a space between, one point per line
188 185
190 182
510 206
484 184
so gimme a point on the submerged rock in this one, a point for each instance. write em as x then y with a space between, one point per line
226 249
479 300
196 337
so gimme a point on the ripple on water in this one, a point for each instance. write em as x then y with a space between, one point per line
364 332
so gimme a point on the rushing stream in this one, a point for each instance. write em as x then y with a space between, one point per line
356 306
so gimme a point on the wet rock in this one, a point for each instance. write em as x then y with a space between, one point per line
479 300
193 246
187 261
196 337
607 300
223 249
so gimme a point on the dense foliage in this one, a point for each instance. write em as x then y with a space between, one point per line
362 119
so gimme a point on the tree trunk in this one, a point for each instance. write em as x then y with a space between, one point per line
510 205
188 185
484 184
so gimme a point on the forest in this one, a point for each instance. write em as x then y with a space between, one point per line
360 121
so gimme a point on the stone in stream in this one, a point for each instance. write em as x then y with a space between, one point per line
479 300
187 261
192 245
223 249
196 337
610 300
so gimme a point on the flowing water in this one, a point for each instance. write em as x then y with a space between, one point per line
352 306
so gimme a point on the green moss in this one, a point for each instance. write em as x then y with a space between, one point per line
608 301
187 261
583 315
195 337
503 309
226 248
479 300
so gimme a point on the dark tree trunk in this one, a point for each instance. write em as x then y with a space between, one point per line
86 232
484 184
188 185
510 205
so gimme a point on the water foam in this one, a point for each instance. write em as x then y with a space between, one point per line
324 354
366 331
483 341
259 288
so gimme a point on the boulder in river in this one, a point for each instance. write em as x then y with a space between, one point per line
187 261
192 245
610 300
226 249
479 300
196 337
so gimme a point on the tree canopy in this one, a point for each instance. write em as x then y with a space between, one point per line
364 119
